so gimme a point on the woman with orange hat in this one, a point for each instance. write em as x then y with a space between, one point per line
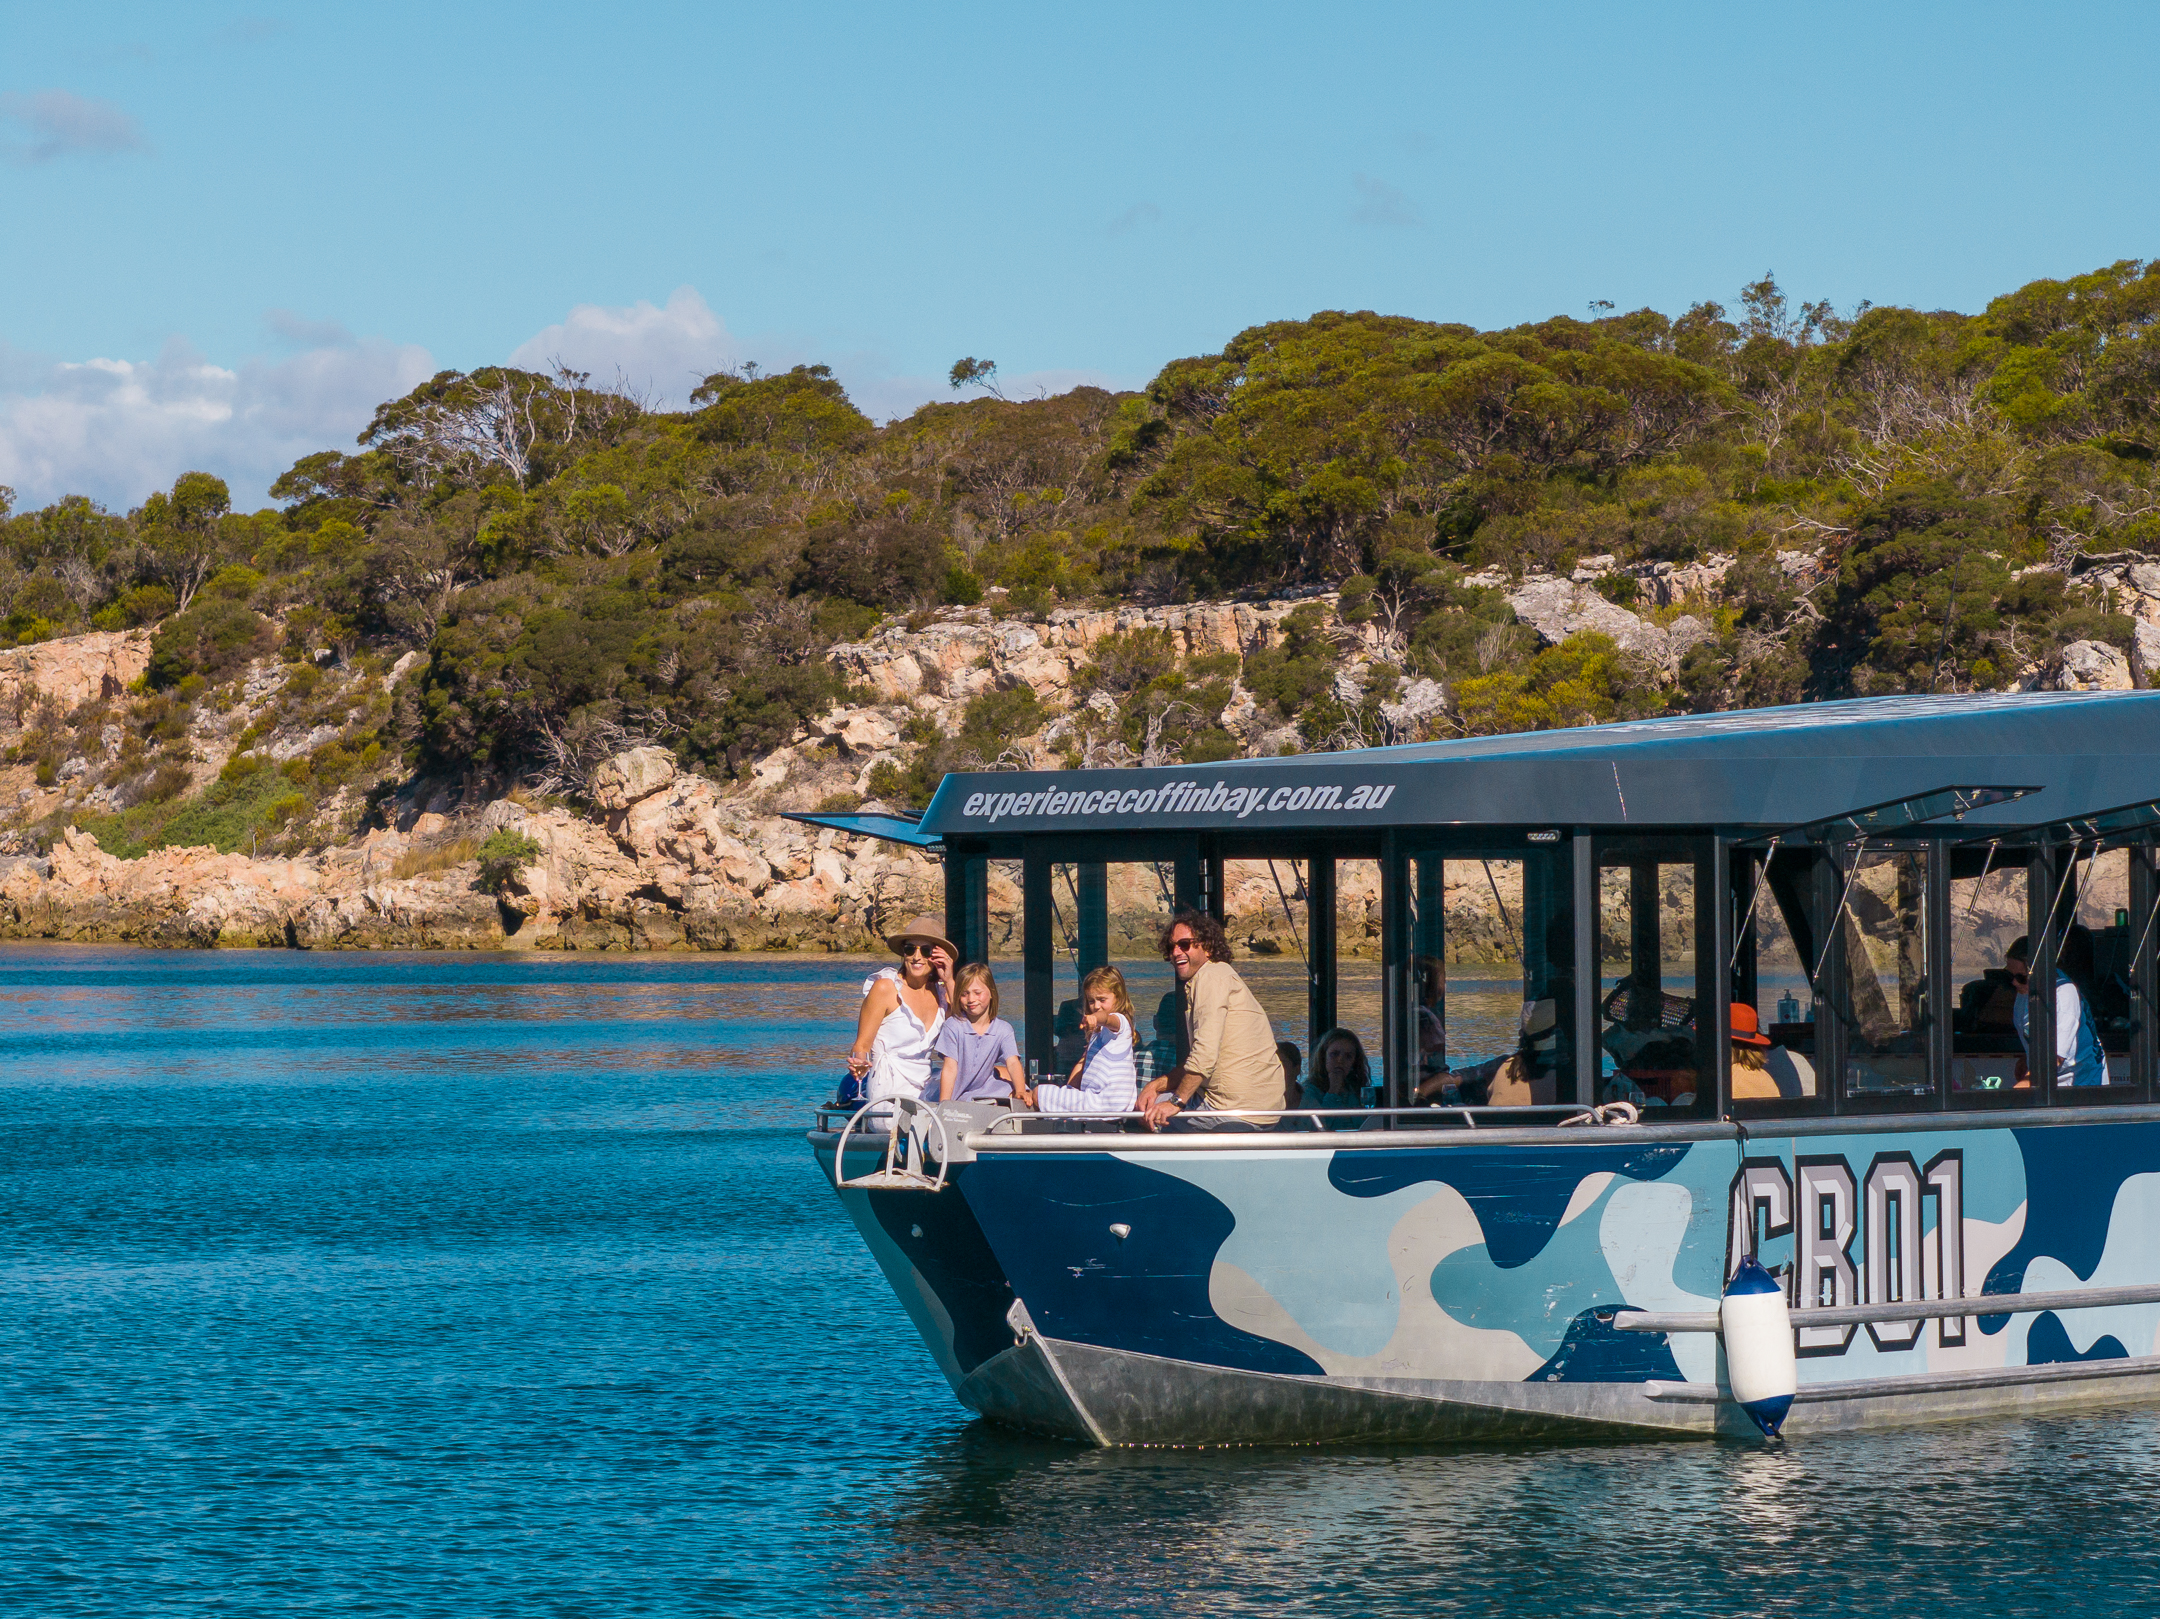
1761 1070
902 1011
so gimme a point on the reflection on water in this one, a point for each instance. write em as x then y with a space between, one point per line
504 1285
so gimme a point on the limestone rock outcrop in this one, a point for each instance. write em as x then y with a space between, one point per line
2092 666
964 652
670 866
71 671
1558 608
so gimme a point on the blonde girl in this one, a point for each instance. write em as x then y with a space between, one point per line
982 1059
1104 1080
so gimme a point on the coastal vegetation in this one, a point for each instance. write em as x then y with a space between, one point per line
513 576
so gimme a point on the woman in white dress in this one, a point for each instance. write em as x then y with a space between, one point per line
902 1012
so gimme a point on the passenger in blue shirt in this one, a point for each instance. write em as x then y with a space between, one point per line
2079 1059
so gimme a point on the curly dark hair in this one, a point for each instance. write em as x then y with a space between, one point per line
1205 929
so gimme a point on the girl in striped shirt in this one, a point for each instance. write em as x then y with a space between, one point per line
1104 1079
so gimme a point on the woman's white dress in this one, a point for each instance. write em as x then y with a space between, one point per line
901 1061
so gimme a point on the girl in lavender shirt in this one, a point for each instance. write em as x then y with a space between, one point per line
982 1059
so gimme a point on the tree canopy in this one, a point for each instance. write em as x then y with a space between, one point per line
577 570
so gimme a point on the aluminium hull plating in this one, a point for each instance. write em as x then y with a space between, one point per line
1462 1285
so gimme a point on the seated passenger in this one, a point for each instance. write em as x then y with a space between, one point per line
2078 1058
1293 1069
1105 1079
1761 1070
982 1059
1339 1078
1169 1013
901 1014
1988 1005
1528 1078
1431 1029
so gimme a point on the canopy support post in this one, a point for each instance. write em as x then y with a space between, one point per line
1589 988
1398 994
1320 963
1092 900
967 904
1039 954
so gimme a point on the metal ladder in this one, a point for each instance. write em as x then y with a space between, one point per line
911 1119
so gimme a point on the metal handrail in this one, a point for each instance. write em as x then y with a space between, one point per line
1468 1115
912 1174
1855 1315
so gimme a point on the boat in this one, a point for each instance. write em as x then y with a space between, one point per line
1957 1201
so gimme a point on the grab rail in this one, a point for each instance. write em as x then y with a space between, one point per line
1468 1115
891 1176
1858 1315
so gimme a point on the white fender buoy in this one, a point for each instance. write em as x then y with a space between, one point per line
1759 1346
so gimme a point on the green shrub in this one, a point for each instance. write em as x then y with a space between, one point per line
168 781
503 854
27 629
212 638
145 604
236 581
227 816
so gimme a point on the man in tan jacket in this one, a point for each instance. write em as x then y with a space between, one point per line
1230 1060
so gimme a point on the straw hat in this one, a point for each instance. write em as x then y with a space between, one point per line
1746 1030
928 929
1540 1024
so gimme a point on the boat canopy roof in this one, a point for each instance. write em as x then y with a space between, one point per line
1962 766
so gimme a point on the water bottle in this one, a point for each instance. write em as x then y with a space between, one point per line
1788 1008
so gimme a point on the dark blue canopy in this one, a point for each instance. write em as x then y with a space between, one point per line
1765 769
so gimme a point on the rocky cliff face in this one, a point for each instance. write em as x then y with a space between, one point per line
69 672
670 865
666 859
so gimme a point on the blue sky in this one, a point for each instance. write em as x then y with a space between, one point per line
231 232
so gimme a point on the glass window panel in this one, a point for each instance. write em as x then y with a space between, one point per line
1784 1002
1647 988
1357 967
1882 937
1493 943
1987 916
2100 963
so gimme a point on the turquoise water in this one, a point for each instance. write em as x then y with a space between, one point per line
504 1285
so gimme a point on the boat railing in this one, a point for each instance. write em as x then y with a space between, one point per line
908 1124
1314 1119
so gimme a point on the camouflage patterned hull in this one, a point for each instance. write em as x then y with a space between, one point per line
1462 1285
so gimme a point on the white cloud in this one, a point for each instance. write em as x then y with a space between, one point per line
63 124
661 353
117 429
